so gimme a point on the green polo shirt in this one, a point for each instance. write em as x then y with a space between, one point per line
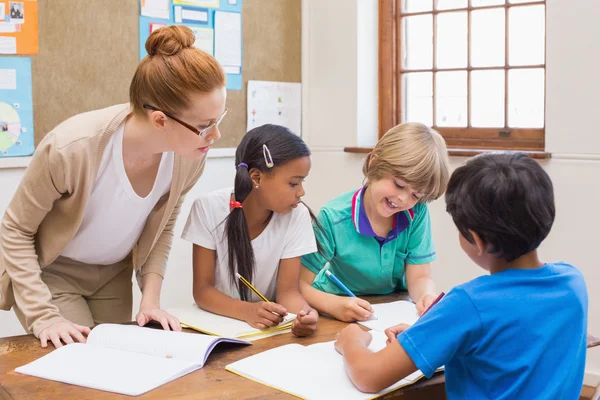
365 263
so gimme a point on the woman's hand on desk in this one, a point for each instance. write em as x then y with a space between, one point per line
350 309
306 322
66 331
263 315
168 322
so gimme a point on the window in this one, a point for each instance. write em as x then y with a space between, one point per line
472 69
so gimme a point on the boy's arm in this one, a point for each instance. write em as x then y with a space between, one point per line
372 372
347 309
421 287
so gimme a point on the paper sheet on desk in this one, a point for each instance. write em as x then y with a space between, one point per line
390 314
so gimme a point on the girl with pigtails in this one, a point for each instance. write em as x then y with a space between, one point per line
259 230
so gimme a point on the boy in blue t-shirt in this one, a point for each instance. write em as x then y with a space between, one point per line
519 332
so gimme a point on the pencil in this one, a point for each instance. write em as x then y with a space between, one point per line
249 285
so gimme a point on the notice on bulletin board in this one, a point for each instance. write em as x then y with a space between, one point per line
16 107
19 27
277 103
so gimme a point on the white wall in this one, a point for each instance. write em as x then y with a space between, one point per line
330 123
339 102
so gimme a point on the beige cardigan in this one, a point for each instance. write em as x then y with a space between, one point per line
48 207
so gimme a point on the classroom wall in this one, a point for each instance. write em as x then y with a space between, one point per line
339 111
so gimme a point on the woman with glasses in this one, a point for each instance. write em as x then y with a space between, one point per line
102 193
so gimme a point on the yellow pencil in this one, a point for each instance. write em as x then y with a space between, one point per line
255 290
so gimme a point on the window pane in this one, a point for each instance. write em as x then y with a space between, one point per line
519 1
410 6
483 3
417 46
487 38
526 98
487 99
417 99
526 33
451 39
450 4
451 98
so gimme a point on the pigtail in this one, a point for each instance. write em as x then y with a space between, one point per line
239 245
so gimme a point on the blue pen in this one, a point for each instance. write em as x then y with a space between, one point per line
339 283
335 280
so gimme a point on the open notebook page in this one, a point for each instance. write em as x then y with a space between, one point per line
312 372
390 314
214 324
108 369
155 342
113 352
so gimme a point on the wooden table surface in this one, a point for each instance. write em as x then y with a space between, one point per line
211 382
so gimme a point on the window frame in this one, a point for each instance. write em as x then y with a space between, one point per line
459 140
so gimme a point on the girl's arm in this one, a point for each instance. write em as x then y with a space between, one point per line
347 309
288 295
260 315
421 287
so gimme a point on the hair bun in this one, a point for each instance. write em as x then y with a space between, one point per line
170 40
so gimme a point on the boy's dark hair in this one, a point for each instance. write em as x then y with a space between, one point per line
284 146
506 198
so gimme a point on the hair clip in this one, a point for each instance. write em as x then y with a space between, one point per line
243 164
268 158
235 204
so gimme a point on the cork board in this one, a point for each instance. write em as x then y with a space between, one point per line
89 51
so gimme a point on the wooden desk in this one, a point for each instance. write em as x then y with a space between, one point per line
211 381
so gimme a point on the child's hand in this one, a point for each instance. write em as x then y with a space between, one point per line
350 309
65 330
424 302
394 331
263 315
306 322
352 334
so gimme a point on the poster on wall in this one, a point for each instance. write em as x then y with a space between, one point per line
216 24
277 103
19 27
16 107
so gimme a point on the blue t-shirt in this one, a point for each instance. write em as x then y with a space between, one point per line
517 334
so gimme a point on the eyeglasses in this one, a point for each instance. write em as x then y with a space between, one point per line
201 132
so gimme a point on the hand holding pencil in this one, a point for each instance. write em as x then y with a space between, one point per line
264 314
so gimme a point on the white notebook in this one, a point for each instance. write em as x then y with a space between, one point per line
218 325
390 314
311 372
126 359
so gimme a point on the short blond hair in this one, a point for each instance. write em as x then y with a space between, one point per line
414 153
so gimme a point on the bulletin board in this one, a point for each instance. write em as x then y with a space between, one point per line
88 52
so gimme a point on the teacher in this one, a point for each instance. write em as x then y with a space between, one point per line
101 195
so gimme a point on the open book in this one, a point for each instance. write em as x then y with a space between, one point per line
203 321
390 314
312 372
126 359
